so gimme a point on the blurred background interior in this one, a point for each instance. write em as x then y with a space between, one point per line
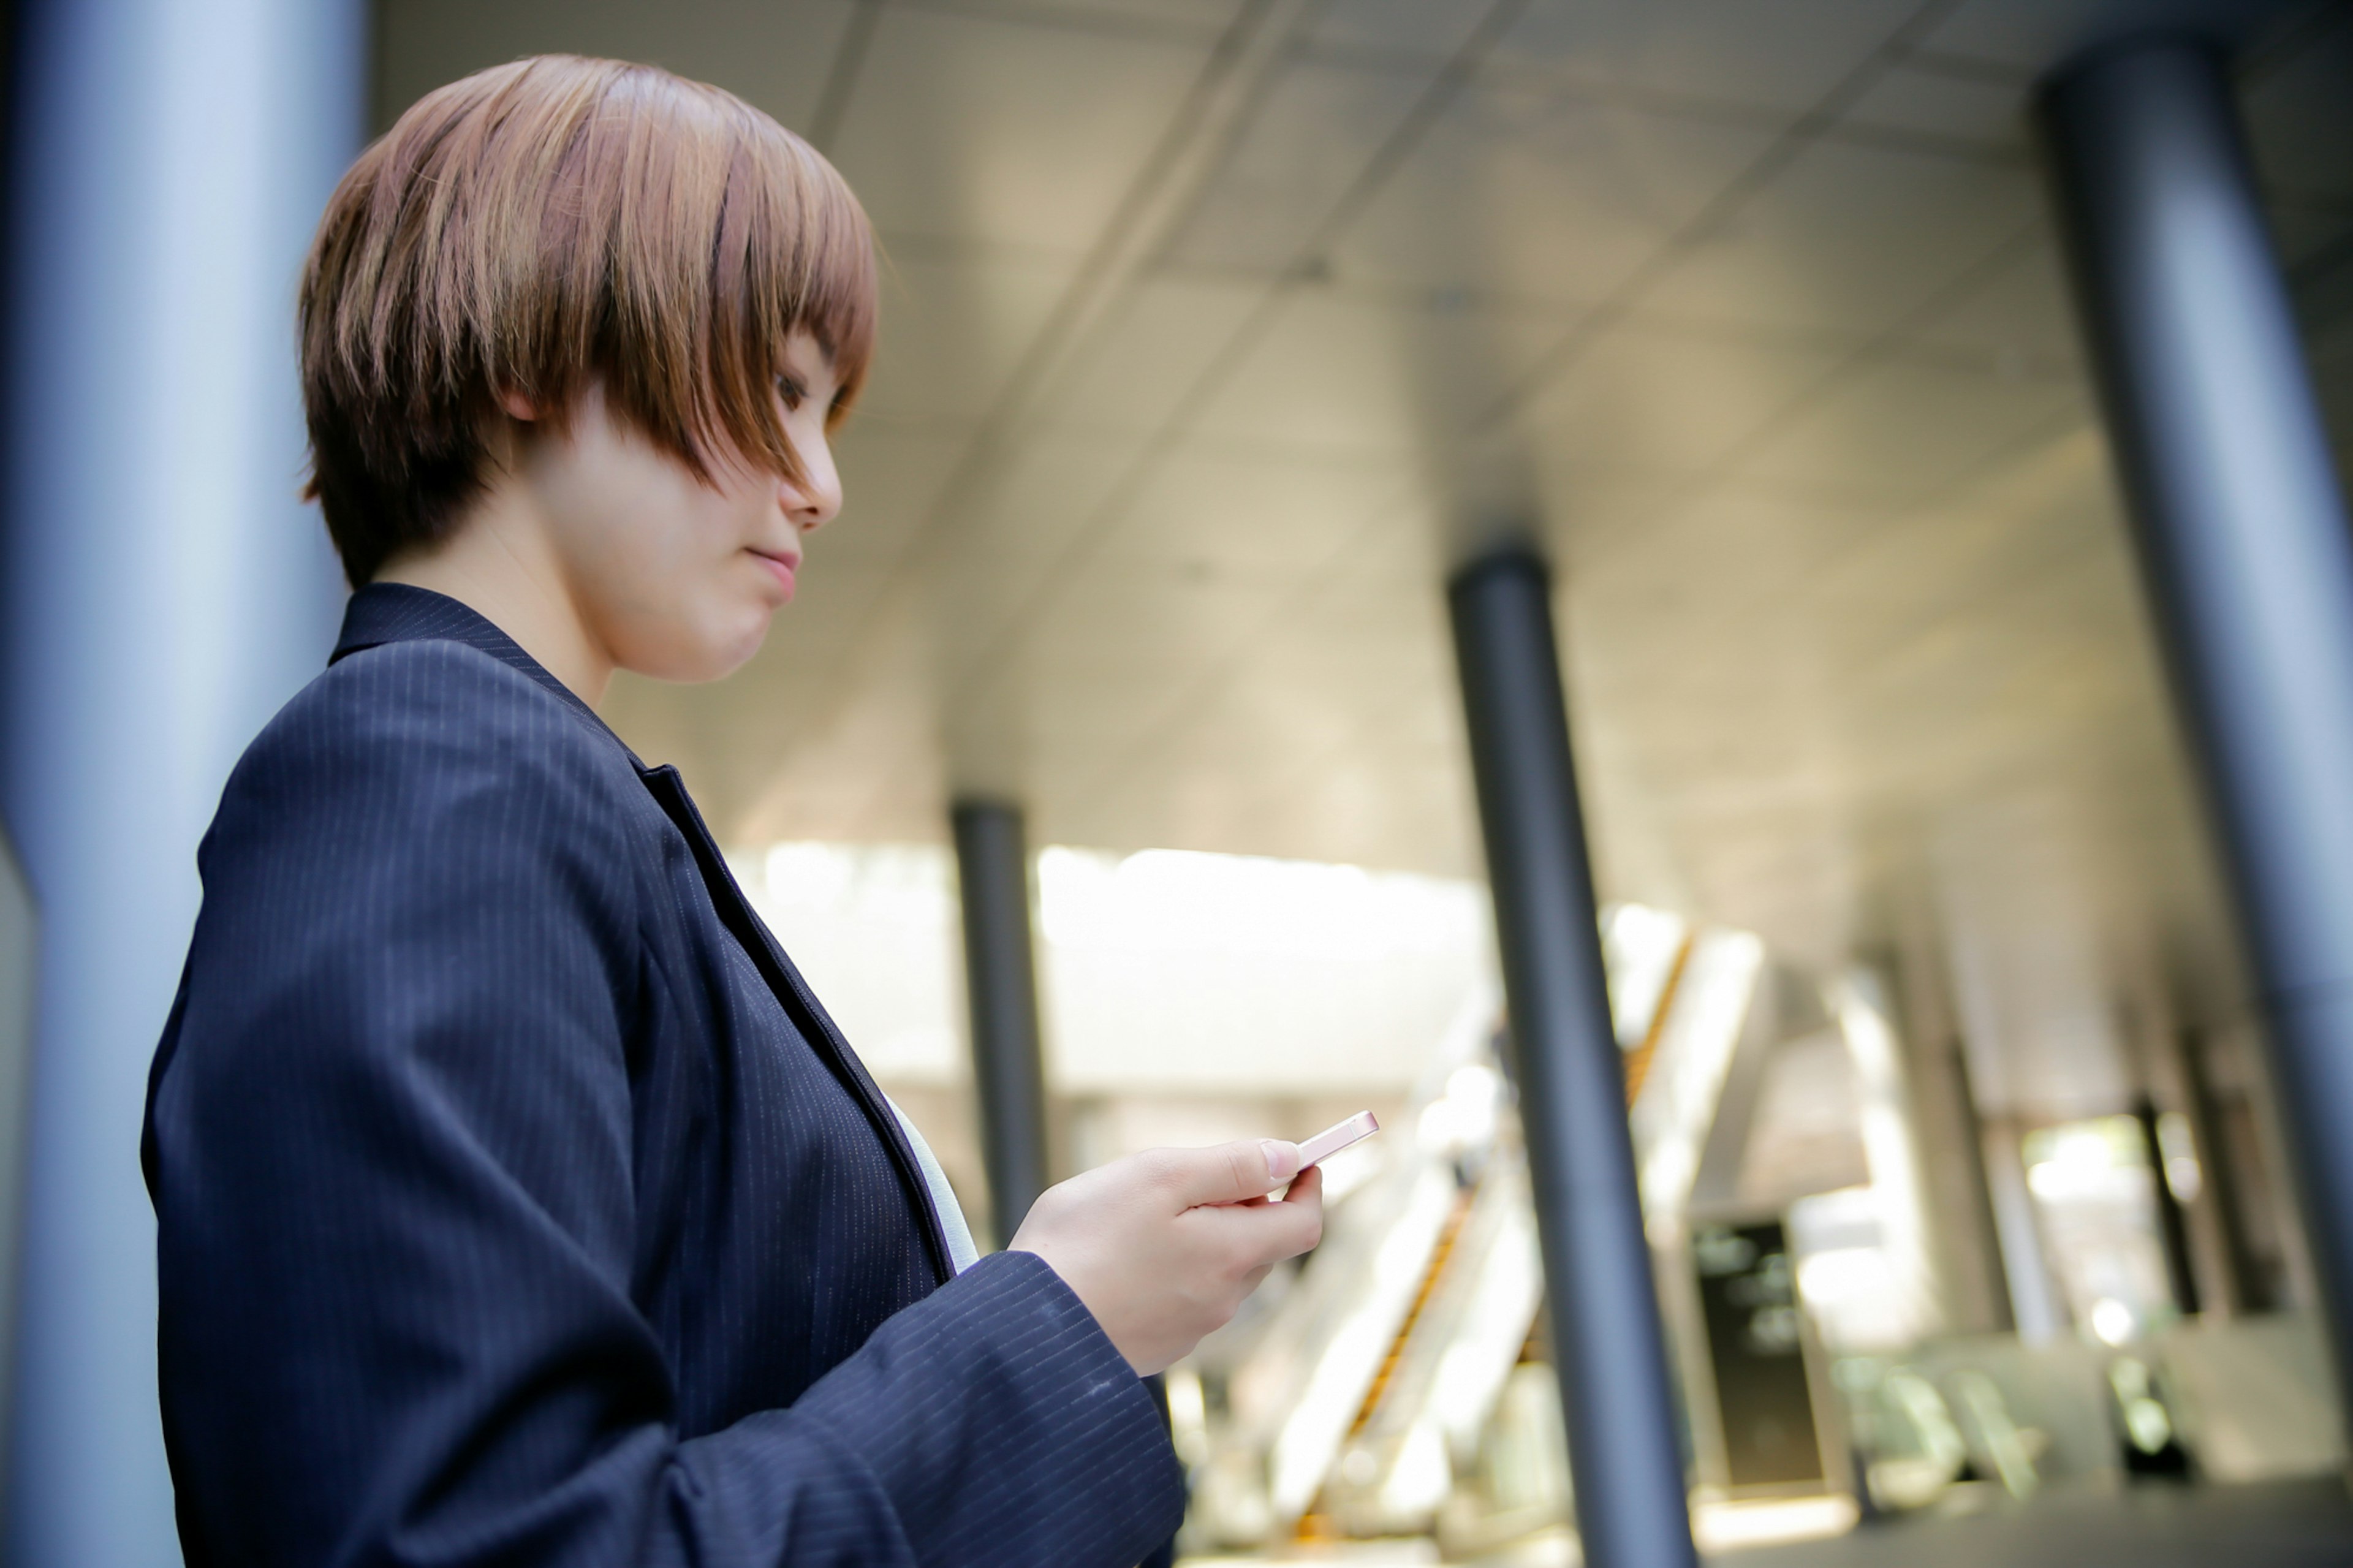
1111 780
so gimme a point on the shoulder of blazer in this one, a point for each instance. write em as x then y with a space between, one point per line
459 683
447 696
415 728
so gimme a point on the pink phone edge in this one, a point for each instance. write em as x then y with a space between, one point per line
1339 1136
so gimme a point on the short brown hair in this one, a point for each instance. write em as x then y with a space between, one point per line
544 223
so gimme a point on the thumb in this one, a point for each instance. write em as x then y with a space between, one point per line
1234 1173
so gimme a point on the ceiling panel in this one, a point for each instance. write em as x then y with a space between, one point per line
2047 511
2299 116
893 477
425 43
1151 352
1720 551
1851 239
1299 152
971 128
1196 19
1211 512
1985 109
2029 35
1587 511
1544 197
1023 508
1406 26
1657 395
954 327
1785 55
1108 611
1901 430
2016 316
1341 373
995 564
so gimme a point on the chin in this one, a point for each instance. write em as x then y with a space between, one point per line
729 653
717 654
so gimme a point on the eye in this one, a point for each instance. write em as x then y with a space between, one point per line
789 388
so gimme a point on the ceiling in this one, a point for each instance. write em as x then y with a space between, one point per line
1216 330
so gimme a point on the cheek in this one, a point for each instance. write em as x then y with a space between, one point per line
689 606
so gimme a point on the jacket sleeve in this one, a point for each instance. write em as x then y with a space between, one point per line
390 1146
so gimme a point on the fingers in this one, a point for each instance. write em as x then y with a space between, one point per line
1255 1235
1302 1210
1230 1173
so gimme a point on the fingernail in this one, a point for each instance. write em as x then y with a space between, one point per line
1282 1159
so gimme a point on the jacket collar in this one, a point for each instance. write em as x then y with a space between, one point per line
395 612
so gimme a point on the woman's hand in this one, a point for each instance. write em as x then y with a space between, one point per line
1163 1246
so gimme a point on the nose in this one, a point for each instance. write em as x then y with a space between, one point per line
816 499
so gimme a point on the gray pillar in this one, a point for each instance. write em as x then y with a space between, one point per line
1000 979
2243 539
1606 1341
162 593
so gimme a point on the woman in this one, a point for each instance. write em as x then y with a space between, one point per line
517 1201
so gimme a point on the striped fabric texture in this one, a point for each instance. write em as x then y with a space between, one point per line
518 1205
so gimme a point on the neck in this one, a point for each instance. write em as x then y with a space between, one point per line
497 563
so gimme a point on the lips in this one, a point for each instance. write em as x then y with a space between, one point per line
782 567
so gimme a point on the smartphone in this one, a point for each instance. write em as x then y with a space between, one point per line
1333 1139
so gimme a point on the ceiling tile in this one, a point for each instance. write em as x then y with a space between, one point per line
953 330
1989 112
1108 612
2308 234
1902 430
1407 26
972 127
1002 545
1209 513
1785 55
1339 373
1851 238
1300 151
2299 116
2019 315
422 44
1151 352
2033 35
1542 197
1723 552
1653 396
1179 17
891 480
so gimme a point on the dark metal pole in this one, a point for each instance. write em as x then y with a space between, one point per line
2224 1195
1000 979
2172 1222
1608 1344
2243 539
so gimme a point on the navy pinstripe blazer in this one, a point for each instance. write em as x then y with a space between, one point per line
517 1204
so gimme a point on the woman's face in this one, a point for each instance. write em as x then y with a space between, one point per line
674 577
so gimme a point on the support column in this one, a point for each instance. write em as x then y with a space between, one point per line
2243 542
1630 1507
2220 1200
1000 981
163 591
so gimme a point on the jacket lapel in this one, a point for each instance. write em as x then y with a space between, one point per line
392 612
799 1002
